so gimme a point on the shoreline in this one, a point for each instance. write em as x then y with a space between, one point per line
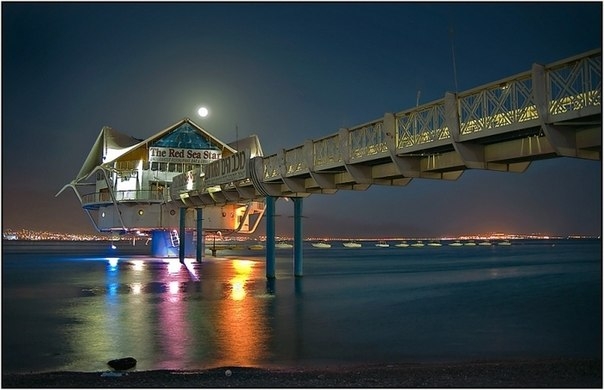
558 373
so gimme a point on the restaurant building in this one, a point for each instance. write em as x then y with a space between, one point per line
124 185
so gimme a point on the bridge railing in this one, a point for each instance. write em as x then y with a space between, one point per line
505 103
421 125
326 152
575 84
367 141
271 167
121 196
573 89
295 160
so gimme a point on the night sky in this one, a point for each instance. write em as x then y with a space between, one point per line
287 72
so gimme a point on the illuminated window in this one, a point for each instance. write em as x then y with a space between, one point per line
185 136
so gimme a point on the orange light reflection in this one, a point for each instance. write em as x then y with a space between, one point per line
242 336
243 269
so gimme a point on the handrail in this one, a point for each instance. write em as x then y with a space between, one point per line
124 196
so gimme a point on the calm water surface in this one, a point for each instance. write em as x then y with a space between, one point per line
76 309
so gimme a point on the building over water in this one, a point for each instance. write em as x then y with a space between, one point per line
124 185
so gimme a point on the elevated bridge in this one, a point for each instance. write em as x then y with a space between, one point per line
548 111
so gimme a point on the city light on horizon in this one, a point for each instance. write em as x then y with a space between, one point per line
31 235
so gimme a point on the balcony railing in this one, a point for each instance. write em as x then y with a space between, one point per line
126 196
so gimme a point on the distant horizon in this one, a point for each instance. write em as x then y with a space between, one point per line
41 235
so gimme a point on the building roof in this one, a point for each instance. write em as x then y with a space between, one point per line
110 145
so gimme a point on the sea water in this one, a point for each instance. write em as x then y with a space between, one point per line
75 306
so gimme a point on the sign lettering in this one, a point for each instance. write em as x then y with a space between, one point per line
179 155
228 169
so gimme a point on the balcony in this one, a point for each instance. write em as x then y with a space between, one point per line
97 199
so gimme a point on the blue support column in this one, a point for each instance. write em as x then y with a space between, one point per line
199 235
181 232
298 237
270 237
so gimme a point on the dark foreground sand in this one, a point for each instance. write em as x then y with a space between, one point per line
530 373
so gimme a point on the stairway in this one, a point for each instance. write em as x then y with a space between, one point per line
174 239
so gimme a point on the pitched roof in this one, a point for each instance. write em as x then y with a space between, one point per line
186 121
111 144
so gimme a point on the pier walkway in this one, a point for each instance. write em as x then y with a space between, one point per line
548 111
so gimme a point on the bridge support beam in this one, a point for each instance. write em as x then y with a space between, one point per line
298 260
199 252
270 237
181 235
471 154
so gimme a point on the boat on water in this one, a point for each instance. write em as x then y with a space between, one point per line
256 247
470 243
435 243
456 243
504 242
418 244
382 244
485 243
322 245
283 245
352 244
403 244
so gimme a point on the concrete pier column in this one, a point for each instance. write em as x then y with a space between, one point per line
199 252
270 286
270 237
181 233
298 261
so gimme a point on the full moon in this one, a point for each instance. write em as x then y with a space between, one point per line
203 112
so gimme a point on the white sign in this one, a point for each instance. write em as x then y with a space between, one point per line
228 169
179 155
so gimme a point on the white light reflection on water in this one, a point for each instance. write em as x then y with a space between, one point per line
189 264
137 265
136 288
173 265
113 262
173 326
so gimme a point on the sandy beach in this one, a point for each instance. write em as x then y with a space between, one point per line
493 374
